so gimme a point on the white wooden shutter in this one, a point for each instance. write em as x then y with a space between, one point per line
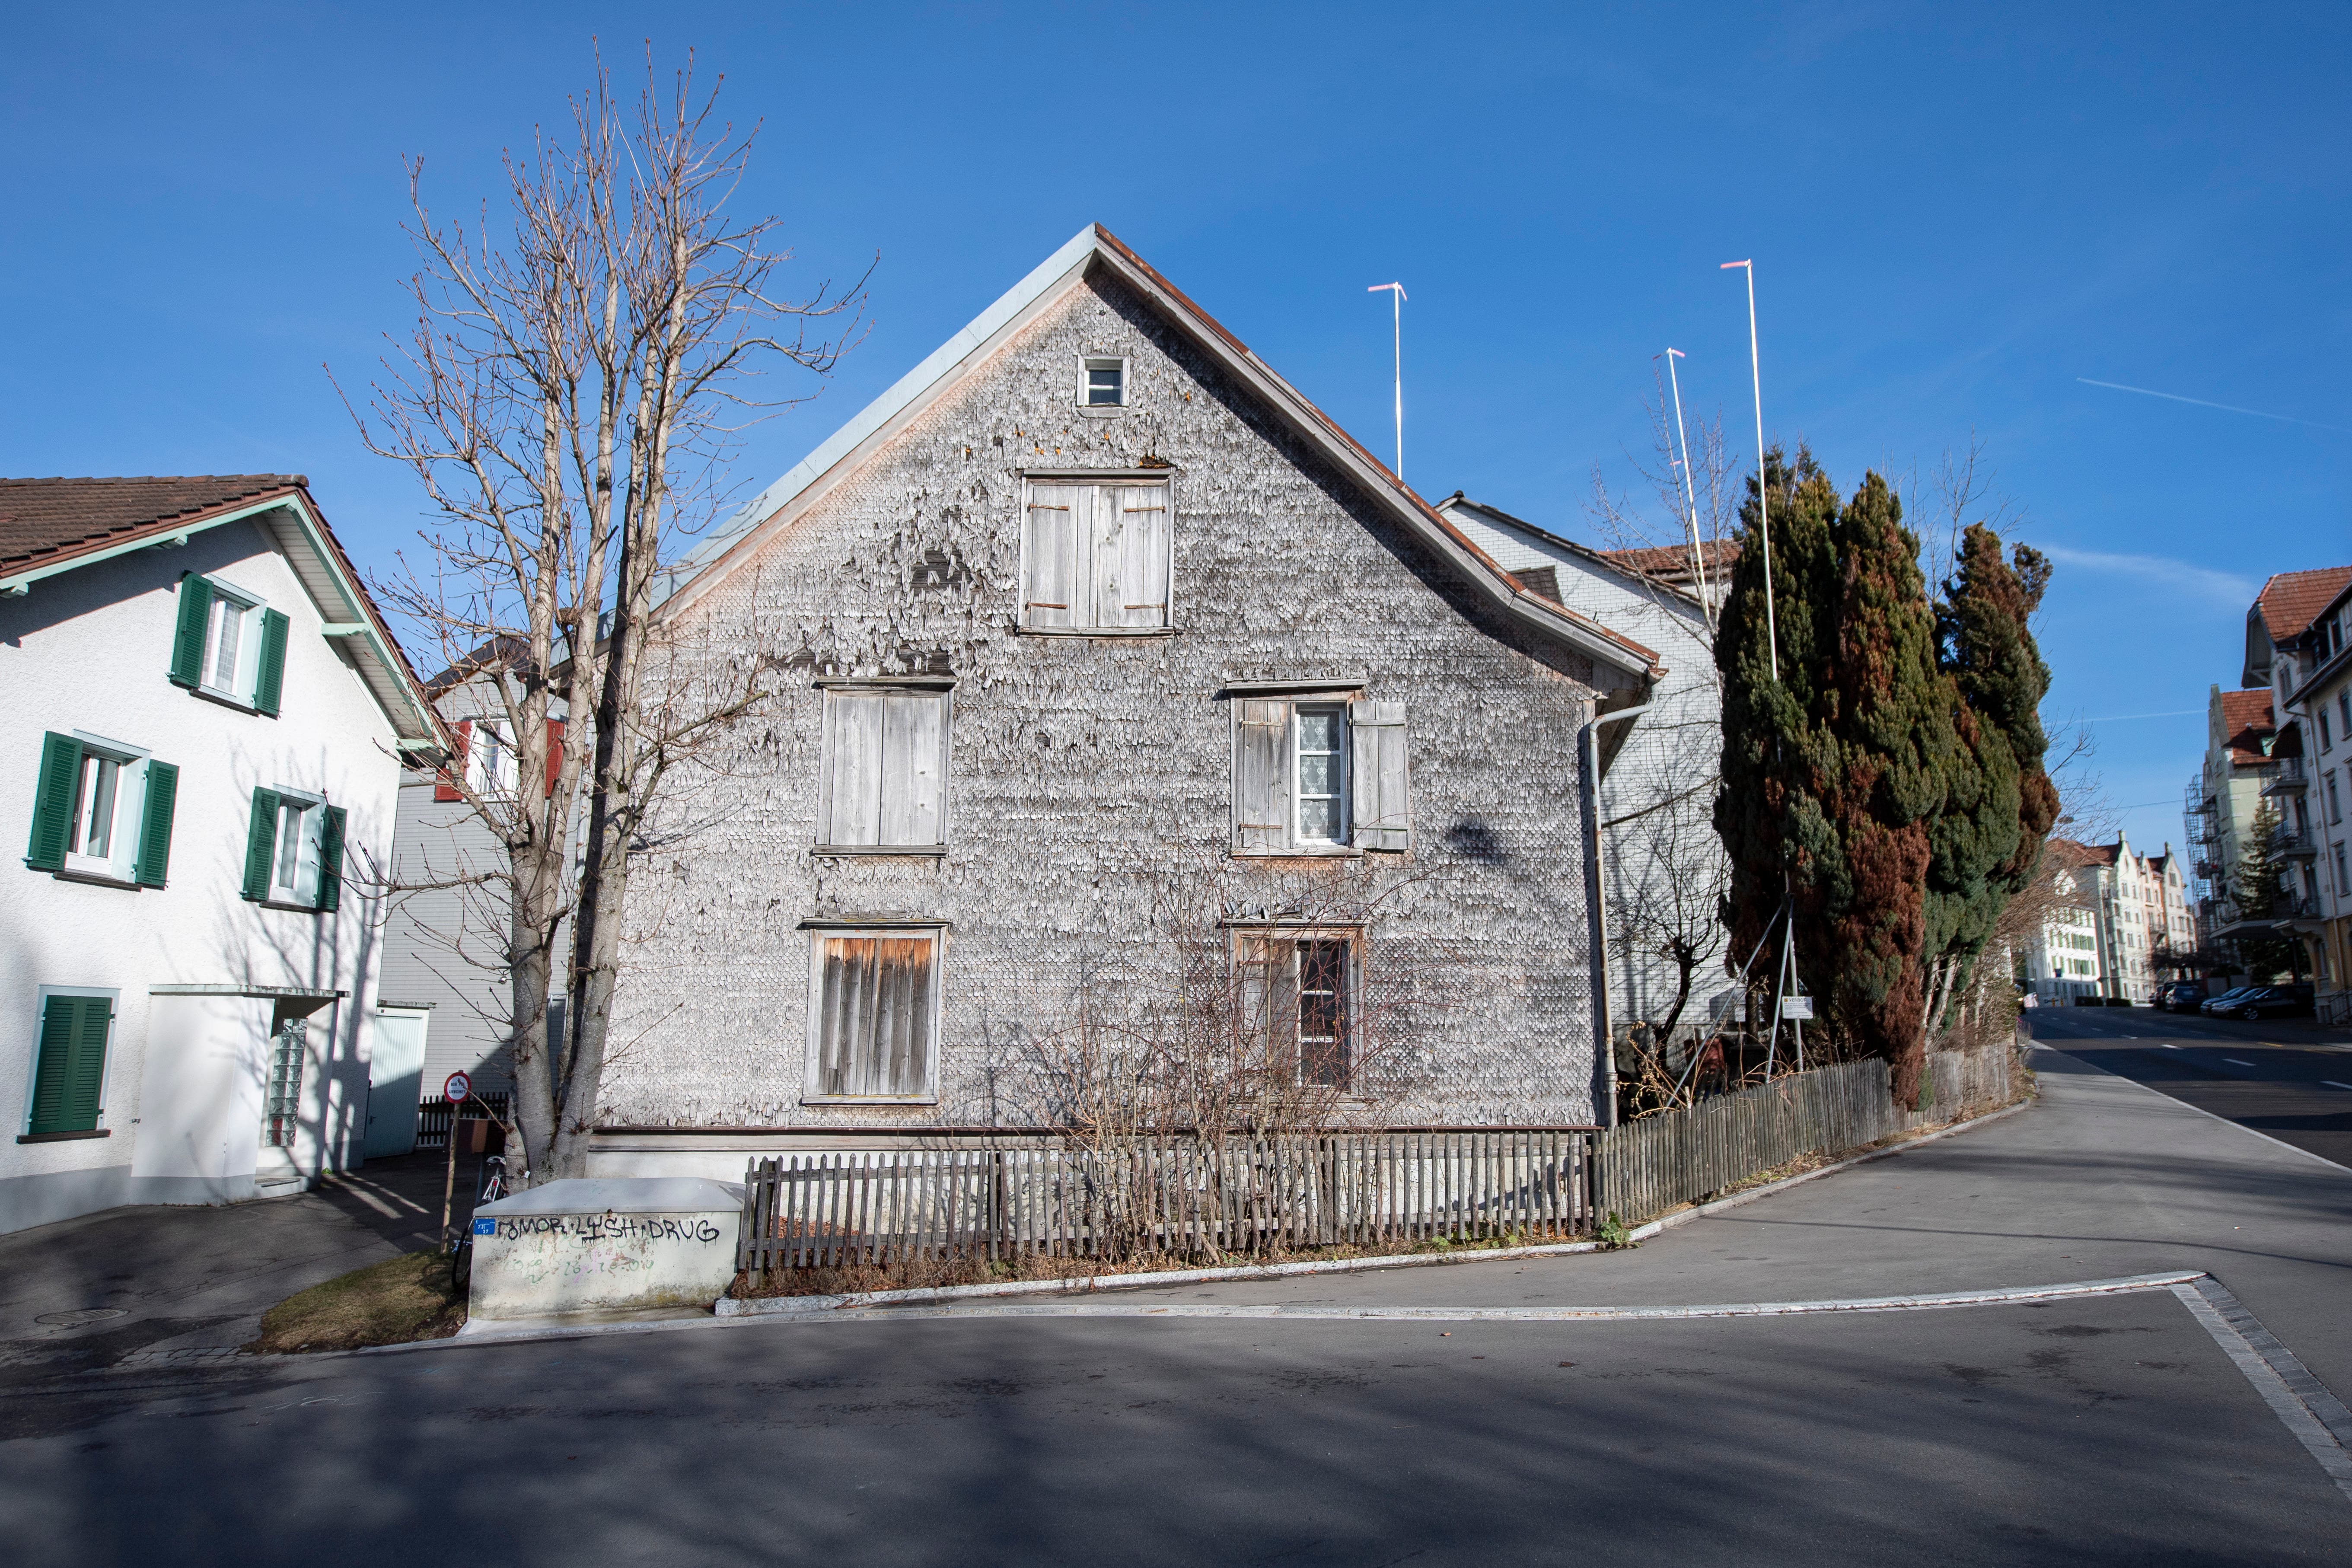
1260 775
1059 529
1381 806
849 803
913 735
1140 514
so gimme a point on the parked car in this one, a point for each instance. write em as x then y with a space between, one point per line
2181 996
2216 1004
2268 1002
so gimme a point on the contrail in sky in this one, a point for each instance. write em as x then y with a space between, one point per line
2225 407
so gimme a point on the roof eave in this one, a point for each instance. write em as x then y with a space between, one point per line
423 727
777 505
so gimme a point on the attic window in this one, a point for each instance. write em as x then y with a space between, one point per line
1103 384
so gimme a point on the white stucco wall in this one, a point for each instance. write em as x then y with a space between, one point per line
87 650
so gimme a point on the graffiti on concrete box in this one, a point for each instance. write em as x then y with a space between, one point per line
588 1228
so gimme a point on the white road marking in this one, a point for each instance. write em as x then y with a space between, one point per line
2236 1063
2333 1084
2299 1400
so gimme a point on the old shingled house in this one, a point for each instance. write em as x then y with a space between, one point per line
1103 646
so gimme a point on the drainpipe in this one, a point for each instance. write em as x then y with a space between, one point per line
1601 898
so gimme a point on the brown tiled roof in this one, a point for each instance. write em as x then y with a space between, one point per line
44 520
2245 720
1671 562
2289 599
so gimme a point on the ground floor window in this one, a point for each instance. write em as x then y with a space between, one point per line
1297 993
69 1065
874 1014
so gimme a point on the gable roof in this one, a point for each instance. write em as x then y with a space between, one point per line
2290 600
1092 247
2245 720
53 525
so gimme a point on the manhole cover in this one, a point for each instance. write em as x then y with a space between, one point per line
80 1317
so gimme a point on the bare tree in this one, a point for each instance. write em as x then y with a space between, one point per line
566 396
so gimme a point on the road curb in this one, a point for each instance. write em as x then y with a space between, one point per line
729 1312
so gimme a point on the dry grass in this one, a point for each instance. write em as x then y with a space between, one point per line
923 1274
412 1296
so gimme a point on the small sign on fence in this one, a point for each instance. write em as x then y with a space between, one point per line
1796 1007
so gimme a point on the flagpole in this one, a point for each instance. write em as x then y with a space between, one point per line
1763 491
1398 329
1690 489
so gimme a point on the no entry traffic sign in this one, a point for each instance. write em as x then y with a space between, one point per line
458 1087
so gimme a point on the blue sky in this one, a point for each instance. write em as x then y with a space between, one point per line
1953 218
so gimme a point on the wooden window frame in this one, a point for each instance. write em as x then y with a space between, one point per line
1087 365
120 868
1099 479
829 690
24 1133
1337 693
820 931
311 857
1353 939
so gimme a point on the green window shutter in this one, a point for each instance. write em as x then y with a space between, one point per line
260 843
272 676
155 824
331 861
188 642
53 802
72 1068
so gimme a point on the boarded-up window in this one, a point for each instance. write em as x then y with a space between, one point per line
883 773
874 1008
1312 775
1296 994
1094 557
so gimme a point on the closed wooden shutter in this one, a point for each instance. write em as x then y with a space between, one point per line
270 679
155 824
261 843
444 782
53 802
914 728
1379 777
1054 575
71 1073
330 859
1139 514
874 1015
1260 776
885 770
849 803
188 638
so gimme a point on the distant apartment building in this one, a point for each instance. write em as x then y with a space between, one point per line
2296 635
2062 962
2222 798
2139 909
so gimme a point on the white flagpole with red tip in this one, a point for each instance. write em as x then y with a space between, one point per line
1399 305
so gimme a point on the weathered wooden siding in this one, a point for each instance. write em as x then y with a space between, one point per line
1087 776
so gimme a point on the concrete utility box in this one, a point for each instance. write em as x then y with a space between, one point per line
604 1244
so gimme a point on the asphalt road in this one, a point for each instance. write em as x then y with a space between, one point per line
2094 1430
2285 1077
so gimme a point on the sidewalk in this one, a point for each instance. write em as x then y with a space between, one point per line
191 1284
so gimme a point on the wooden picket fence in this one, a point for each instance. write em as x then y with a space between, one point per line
1188 1197
433 1116
1180 1196
1647 1167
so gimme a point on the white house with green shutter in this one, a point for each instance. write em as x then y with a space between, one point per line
202 747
